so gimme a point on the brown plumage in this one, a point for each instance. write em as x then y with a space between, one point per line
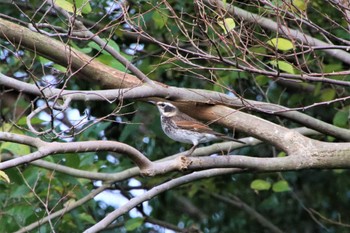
183 128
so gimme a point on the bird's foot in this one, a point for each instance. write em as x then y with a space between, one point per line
189 152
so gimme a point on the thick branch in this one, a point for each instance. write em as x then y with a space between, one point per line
180 94
286 139
64 55
258 164
88 34
112 78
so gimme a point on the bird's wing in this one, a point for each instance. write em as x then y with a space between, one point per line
199 127
184 117
195 126
184 121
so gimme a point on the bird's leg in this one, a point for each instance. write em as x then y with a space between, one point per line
191 150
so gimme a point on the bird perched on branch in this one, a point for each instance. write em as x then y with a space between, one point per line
183 128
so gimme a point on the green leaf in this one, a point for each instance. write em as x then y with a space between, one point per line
262 80
60 68
34 121
111 43
45 61
281 44
72 160
20 212
281 186
4 176
328 94
86 49
284 66
133 223
111 61
14 148
342 117
259 52
20 191
227 24
194 190
83 6
87 159
317 89
260 185
160 19
9 128
87 218
130 129
270 202
339 171
333 67
79 6
295 99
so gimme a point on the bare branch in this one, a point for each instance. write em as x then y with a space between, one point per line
273 26
155 191
61 212
67 170
46 148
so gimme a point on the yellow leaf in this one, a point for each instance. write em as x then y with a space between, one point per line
4 176
281 44
284 66
227 24
69 202
300 4
67 6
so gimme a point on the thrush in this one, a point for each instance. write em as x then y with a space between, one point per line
183 128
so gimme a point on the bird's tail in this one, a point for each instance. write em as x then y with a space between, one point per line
231 139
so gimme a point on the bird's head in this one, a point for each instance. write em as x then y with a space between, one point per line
166 109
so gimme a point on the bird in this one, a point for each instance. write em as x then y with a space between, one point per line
183 128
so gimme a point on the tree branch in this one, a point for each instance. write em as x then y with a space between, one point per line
156 191
63 211
287 31
181 94
46 148
87 67
66 170
82 30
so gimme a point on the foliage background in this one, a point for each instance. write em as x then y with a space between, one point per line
239 63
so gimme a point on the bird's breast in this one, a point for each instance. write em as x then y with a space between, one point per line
183 135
